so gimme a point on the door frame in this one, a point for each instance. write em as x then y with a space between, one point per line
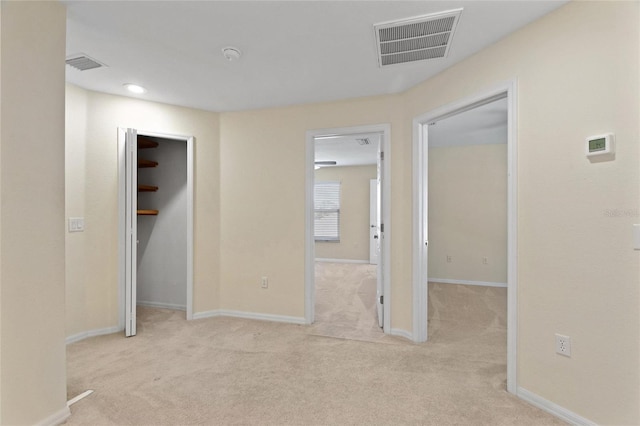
189 141
385 248
420 211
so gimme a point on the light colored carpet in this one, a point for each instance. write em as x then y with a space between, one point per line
230 371
346 302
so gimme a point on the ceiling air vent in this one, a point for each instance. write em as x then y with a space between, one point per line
83 62
417 38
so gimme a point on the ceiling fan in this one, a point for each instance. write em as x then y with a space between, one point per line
319 164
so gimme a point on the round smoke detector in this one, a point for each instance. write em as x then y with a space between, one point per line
231 53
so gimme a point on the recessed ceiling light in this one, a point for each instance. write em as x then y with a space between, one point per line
231 53
134 88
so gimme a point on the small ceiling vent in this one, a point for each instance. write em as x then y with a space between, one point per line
83 62
417 38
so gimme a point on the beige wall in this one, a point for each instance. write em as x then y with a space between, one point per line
33 359
263 165
578 273
354 212
92 174
468 212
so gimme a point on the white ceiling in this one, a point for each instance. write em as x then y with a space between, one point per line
293 51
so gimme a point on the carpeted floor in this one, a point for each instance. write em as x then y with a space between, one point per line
230 371
346 302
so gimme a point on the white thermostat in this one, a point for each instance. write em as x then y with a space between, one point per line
600 145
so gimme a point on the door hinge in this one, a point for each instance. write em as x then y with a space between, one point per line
382 299
382 155
382 227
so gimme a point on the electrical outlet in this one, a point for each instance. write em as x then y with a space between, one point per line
563 345
265 282
448 259
485 261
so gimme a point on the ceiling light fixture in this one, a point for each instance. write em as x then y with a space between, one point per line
134 88
231 53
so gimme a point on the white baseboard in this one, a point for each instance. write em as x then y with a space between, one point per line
553 408
173 306
249 315
466 282
401 333
80 397
91 333
206 314
56 418
341 260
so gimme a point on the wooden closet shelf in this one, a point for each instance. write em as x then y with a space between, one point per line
147 188
142 163
146 142
147 212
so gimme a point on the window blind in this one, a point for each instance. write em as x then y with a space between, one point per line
326 198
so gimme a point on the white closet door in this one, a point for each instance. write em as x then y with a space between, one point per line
131 231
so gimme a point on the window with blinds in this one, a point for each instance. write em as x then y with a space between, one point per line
326 199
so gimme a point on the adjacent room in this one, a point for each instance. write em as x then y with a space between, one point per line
347 237
467 229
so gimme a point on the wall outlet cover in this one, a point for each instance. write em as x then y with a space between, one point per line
563 345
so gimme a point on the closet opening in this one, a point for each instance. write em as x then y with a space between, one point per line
156 225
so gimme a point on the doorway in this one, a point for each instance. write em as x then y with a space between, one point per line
321 226
155 223
421 221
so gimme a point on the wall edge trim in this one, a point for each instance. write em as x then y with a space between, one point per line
56 418
323 259
553 408
91 333
249 315
161 305
402 333
467 282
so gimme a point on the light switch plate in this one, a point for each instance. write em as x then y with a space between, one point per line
76 224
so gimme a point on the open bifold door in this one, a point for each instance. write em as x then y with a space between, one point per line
131 229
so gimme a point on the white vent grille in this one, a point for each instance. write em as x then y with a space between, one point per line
416 39
83 62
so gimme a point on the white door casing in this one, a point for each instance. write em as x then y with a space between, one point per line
385 215
420 215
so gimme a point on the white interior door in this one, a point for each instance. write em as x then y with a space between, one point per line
374 240
380 231
131 229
